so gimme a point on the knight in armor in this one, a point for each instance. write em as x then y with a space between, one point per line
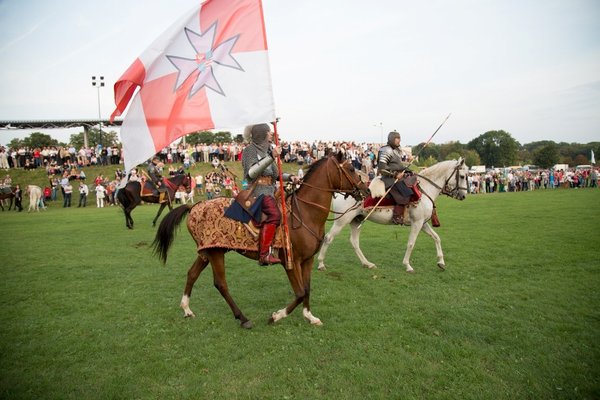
155 175
393 165
259 169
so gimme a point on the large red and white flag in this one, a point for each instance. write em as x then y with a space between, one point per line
210 70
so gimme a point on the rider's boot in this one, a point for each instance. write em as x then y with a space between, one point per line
398 216
266 236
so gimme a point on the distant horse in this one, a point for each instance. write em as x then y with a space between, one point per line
308 208
131 195
7 193
446 177
35 196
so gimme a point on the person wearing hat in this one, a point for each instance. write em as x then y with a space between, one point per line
392 166
261 172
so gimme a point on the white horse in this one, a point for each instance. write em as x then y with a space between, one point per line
446 177
35 197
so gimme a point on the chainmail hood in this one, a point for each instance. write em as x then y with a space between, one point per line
257 135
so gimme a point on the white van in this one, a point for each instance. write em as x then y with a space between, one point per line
583 167
558 167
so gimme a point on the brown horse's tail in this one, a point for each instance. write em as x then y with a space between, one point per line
166 231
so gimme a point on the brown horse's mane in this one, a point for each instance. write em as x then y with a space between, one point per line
313 167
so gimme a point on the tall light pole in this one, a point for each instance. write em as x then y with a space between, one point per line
380 125
98 84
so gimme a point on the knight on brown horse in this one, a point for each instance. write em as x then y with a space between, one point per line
261 172
392 166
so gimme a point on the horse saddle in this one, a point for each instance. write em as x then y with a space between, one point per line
377 190
148 189
5 190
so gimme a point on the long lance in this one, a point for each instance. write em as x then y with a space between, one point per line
409 164
289 264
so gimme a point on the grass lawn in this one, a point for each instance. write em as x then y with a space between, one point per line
88 313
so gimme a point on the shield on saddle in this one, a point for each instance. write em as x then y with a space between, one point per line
211 229
245 210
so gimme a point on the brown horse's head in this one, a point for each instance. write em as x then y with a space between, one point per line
348 180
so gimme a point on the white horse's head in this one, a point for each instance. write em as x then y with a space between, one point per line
450 177
456 184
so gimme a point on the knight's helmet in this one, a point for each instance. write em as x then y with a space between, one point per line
391 137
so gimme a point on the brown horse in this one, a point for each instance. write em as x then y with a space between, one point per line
131 196
7 193
308 209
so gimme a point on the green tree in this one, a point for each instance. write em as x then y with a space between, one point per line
95 136
432 150
15 143
447 149
546 156
453 156
495 148
471 158
223 137
428 162
38 139
204 137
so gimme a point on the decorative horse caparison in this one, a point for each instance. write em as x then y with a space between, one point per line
130 196
307 211
446 177
7 193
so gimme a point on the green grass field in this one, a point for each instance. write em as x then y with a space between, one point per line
89 313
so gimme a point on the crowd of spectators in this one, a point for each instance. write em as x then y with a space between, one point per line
32 158
65 164
515 180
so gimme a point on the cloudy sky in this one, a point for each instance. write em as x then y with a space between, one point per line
341 69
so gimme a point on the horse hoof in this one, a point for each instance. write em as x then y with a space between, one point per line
247 325
442 266
410 271
370 266
189 315
322 268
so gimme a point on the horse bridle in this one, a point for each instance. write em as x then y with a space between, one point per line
452 192
354 192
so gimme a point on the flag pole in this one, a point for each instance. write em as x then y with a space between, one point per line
289 262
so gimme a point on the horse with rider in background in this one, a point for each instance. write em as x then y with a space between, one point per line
134 192
447 177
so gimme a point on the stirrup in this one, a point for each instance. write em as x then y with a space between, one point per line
398 220
268 260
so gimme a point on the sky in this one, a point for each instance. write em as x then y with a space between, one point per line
341 69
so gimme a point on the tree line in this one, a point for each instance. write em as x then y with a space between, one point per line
492 148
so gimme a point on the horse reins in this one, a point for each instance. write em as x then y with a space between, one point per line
295 198
444 190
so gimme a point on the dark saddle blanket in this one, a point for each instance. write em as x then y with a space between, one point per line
148 189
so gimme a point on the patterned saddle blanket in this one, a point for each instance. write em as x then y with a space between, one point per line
211 229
